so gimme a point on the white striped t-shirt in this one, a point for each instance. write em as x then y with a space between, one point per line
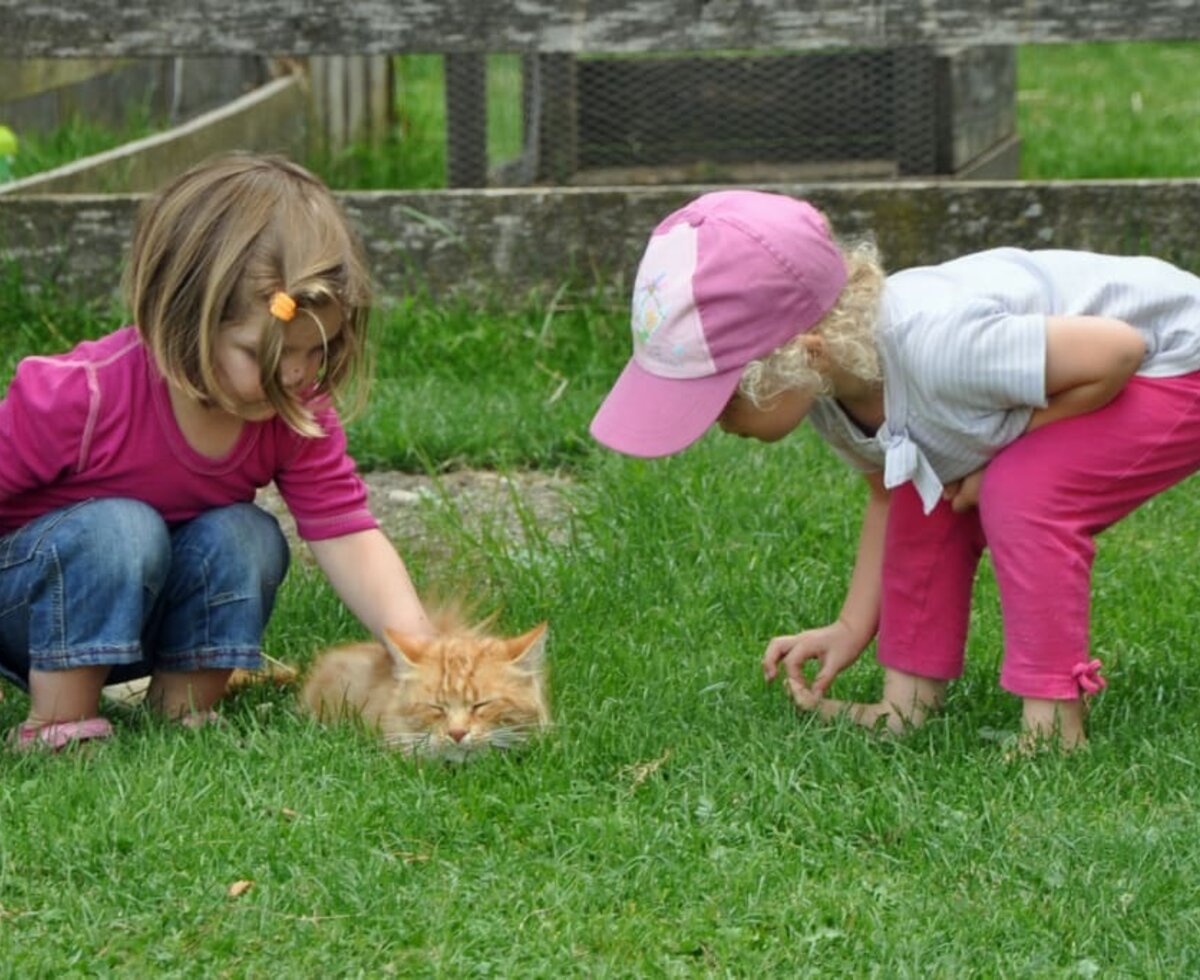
964 347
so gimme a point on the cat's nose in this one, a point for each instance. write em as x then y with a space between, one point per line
458 734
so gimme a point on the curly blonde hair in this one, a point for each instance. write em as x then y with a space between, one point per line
216 244
848 330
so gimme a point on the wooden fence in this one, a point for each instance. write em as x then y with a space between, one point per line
119 28
514 239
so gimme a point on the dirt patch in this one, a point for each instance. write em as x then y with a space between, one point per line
502 503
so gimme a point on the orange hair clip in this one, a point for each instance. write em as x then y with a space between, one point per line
283 307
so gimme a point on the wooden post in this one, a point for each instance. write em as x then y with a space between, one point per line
977 112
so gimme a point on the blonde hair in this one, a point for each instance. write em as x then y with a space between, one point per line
848 330
213 247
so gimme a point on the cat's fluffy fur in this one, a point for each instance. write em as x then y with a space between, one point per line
447 696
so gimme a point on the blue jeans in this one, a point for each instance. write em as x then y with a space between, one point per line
108 581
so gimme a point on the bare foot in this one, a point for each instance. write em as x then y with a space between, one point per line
1050 726
177 694
906 702
876 717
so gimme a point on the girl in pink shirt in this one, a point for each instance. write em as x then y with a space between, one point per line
129 541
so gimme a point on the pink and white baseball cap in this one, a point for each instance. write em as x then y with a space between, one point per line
726 279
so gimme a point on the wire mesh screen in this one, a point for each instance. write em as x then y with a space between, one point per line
737 109
733 116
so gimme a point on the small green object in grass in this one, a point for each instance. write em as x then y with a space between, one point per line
8 150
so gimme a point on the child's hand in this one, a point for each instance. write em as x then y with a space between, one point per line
834 648
964 494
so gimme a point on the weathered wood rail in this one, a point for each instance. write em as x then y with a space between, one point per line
116 28
511 240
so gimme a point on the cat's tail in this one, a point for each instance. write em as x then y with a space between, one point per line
272 671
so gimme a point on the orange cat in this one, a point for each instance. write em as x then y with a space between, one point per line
449 696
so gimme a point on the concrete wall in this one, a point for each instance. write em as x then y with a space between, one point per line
509 241
517 239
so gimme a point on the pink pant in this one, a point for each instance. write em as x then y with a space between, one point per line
1044 499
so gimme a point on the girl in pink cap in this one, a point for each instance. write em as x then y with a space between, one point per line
1014 400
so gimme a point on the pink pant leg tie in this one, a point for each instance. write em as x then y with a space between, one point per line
1087 676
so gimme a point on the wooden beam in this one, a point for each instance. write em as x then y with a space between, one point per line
121 28
268 119
504 242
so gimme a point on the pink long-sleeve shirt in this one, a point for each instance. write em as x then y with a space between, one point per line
97 422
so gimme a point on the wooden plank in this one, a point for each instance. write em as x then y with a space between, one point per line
270 119
106 92
24 77
504 242
119 28
976 105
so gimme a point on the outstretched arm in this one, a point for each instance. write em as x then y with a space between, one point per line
836 646
371 579
1088 361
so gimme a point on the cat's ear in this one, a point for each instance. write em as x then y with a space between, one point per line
528 651
407 651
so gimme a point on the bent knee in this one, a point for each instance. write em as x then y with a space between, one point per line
119 538
243 538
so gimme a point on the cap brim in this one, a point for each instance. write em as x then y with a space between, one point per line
647 415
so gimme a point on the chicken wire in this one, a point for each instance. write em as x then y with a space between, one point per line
730 116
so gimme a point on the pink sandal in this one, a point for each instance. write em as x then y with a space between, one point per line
58 735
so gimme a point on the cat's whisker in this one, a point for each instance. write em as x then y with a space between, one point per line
510 735
407 741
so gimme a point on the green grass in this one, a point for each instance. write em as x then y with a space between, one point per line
76 139
414 154
681 819
1109 110
759 843
524 377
